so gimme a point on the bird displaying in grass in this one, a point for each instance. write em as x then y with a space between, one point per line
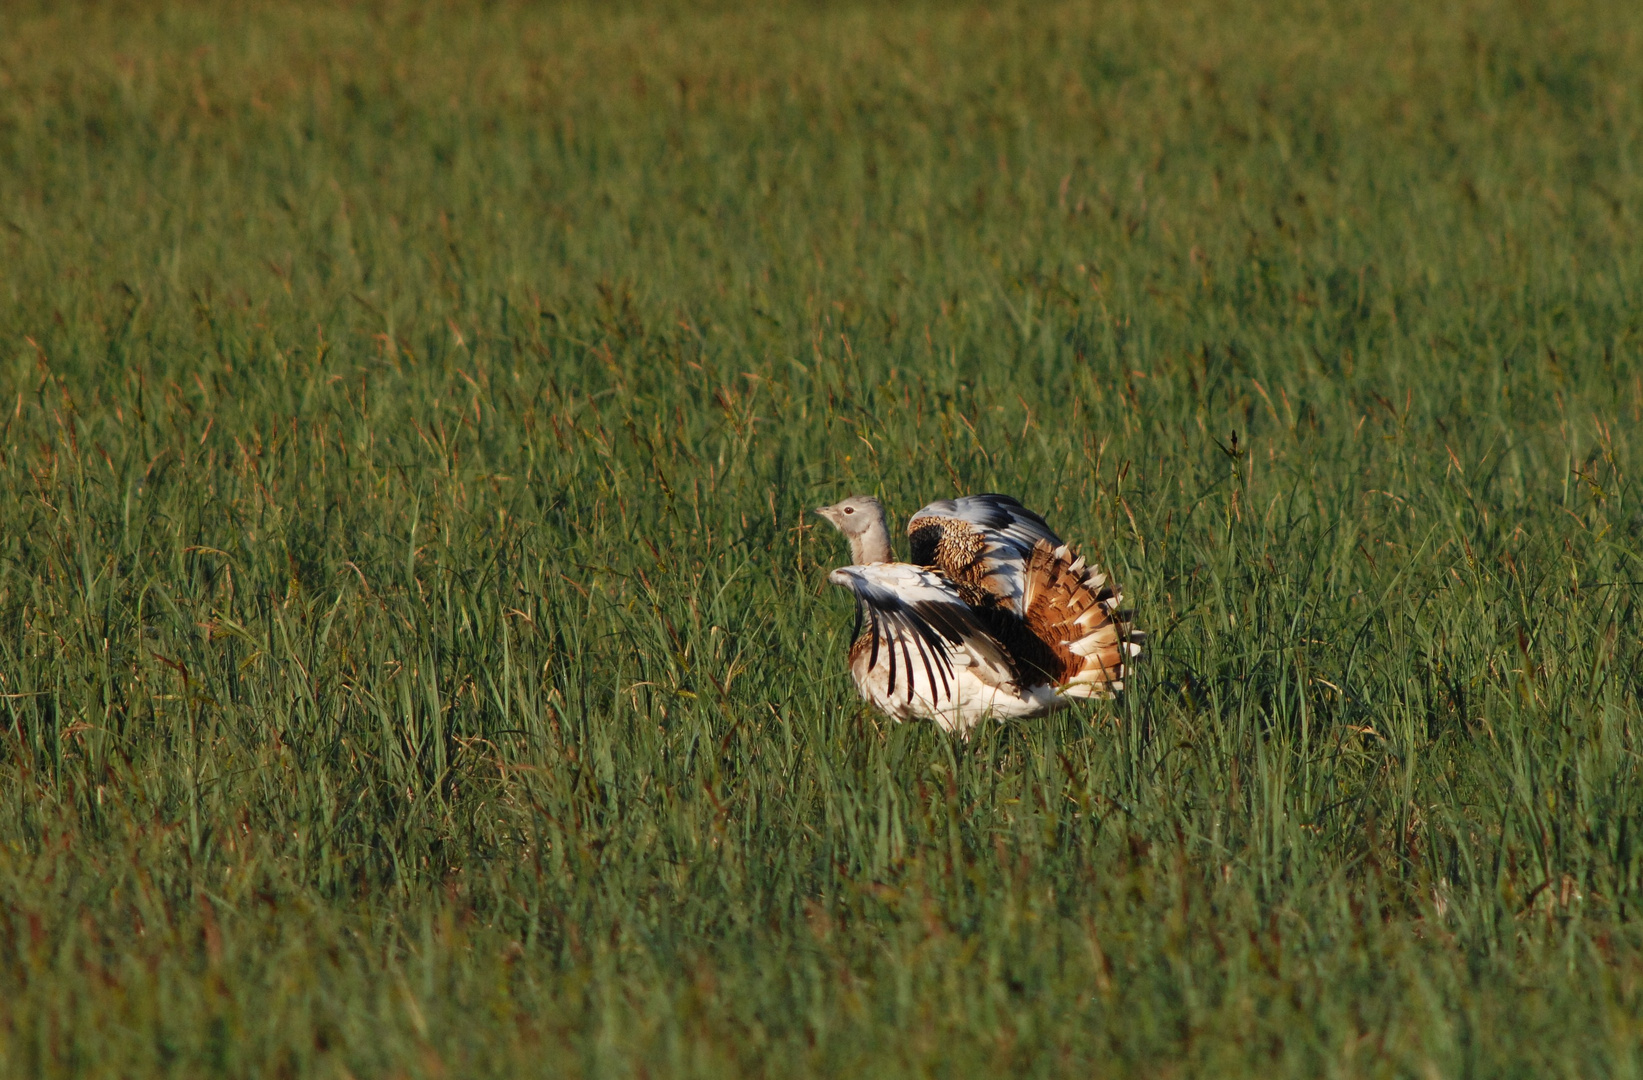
992 615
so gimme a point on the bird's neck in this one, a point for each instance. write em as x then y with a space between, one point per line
873 545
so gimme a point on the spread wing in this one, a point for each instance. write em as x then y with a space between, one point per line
917 633
1057 618
983 543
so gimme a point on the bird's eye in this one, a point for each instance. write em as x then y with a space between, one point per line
850 509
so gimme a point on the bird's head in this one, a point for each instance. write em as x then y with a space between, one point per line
855 515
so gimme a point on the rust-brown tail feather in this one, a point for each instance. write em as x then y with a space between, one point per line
1074 610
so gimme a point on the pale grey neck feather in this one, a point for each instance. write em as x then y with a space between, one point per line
872 545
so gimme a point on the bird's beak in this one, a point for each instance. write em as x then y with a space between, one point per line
823 511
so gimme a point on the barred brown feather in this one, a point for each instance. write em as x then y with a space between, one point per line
1071 608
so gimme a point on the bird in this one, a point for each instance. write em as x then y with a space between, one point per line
992 616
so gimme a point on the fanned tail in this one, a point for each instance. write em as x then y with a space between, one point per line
1075 611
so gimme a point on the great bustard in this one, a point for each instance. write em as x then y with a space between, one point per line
993 616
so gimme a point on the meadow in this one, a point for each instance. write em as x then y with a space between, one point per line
415 652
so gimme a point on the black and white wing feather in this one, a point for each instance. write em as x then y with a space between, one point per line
916 639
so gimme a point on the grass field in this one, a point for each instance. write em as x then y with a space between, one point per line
415 657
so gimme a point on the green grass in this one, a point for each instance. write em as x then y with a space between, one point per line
416 655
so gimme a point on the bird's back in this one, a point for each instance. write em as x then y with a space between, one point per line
1057 618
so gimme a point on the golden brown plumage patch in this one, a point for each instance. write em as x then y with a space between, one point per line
955 548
